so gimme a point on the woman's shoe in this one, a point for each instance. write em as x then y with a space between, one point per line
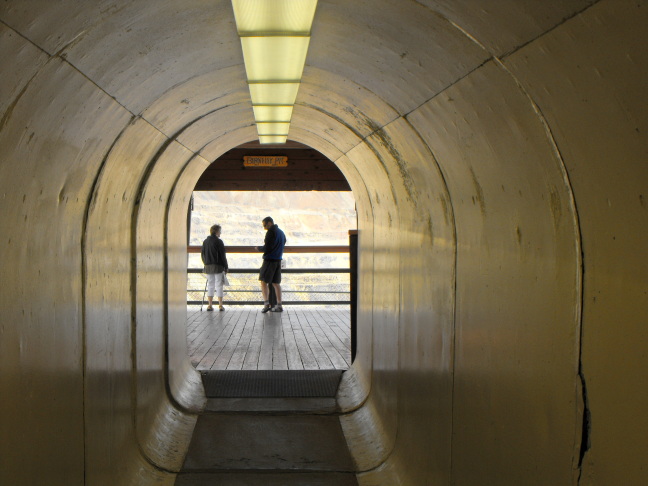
209 309
221 308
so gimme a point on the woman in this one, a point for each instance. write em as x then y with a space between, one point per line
215 261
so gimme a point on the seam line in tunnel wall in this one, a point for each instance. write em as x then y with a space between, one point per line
20 34
364 139
134 217
581 433
454 290
545 124
374 130
139 193
548 31
174 136
63 58
165 297
60 55
581 437
84 282
516 48
491 56
452 84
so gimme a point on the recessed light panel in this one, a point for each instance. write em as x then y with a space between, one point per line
273 93
266 113
274 58
272 139
274 16
273 128
274 37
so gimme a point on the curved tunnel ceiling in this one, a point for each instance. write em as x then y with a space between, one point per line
187 79
497 154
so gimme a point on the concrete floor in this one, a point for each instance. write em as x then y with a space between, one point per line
269 446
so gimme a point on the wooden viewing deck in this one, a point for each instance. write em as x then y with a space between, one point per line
242 338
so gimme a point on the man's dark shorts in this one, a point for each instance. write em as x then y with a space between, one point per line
270 272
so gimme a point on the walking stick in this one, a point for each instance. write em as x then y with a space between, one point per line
202 301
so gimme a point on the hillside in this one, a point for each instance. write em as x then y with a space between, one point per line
307 218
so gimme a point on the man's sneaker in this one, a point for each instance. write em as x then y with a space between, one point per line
266 308
277 308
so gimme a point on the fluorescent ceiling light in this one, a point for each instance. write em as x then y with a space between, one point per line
274 58
274 36
273 128
273 93
272 138
274 16
272 113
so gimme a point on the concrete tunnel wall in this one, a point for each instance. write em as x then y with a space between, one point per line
498 154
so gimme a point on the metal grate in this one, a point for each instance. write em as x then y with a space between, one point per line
271 383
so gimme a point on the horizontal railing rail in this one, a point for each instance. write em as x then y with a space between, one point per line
287 249
283 270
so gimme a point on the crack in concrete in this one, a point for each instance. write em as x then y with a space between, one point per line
582 438
585 444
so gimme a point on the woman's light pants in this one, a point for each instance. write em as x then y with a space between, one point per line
215 284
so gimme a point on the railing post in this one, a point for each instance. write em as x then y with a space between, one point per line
353 264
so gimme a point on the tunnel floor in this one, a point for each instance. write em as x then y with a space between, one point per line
251 433
281 448
270 417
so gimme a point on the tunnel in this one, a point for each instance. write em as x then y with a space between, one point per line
498 155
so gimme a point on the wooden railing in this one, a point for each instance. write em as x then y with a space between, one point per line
352 270
287 249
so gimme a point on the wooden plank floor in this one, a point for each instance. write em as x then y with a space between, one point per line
242 338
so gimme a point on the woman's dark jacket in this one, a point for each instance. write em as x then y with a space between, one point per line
213 253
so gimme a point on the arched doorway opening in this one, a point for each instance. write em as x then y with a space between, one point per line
309 197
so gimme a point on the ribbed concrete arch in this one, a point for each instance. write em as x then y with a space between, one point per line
497 152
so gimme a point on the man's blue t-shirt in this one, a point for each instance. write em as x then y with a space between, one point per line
273 244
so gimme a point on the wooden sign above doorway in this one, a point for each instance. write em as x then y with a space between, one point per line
265 161
308 170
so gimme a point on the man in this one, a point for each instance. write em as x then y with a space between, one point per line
270 273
